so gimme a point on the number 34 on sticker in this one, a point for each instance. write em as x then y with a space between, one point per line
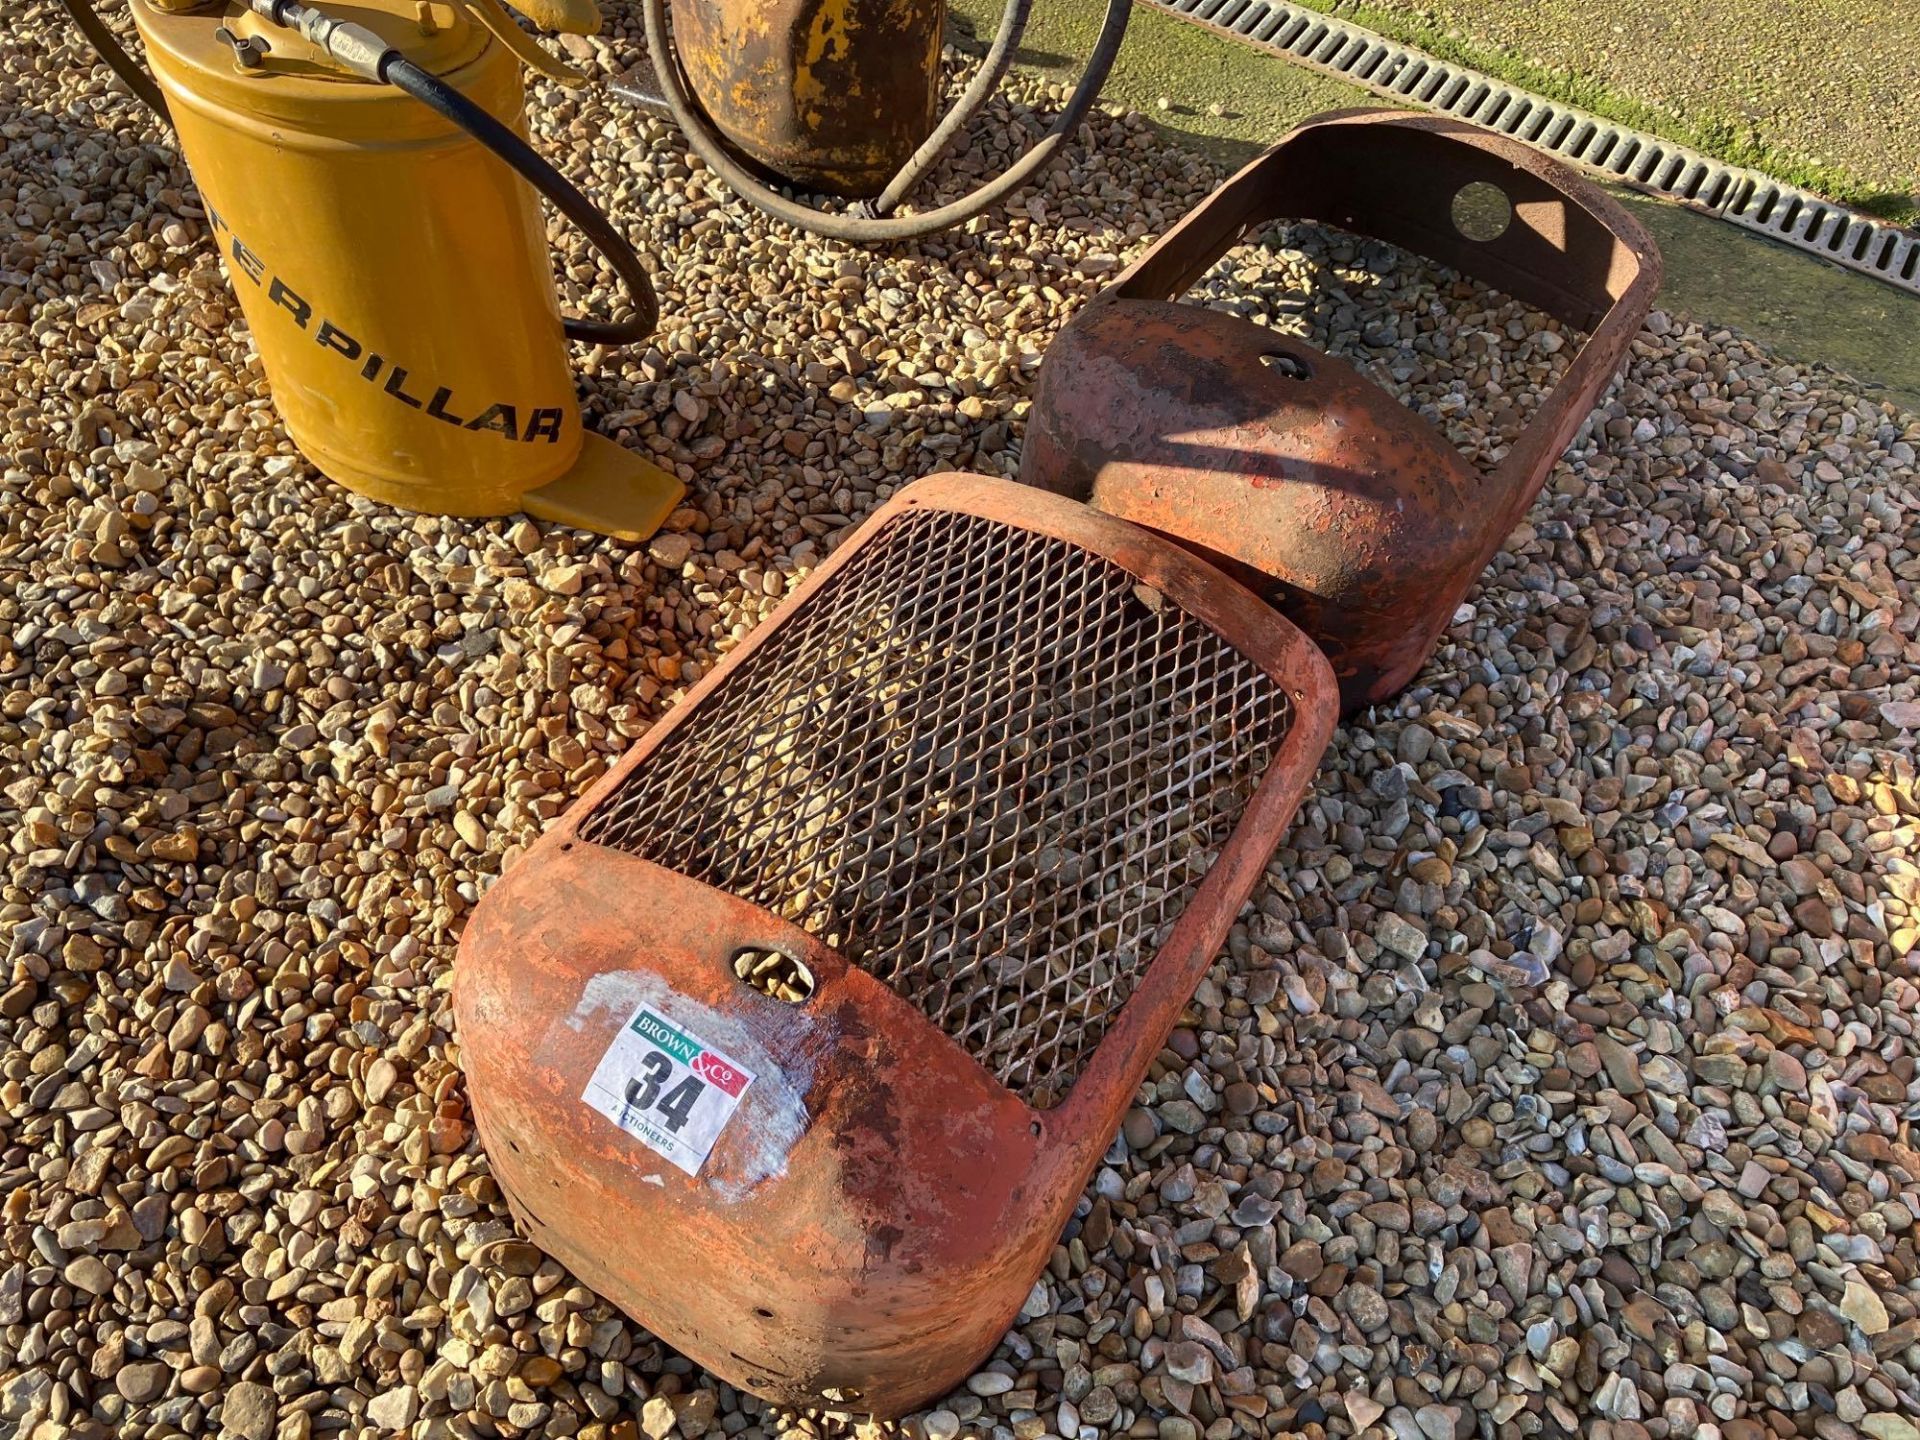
667 1087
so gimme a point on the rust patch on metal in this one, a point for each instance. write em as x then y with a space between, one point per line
1285 466
834 95
875 1213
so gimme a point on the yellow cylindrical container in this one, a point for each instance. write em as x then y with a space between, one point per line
393 271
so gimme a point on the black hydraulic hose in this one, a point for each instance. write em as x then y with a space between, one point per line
993 69
861 229
448 102
109 48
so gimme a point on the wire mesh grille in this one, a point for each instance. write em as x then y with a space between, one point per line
986 765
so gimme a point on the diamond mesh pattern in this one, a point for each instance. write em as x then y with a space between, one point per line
987 766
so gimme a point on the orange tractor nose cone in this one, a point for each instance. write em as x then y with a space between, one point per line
799 1037
1289 469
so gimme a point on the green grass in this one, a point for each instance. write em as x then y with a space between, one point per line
1721 137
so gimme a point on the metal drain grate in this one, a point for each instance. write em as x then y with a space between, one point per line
987 766
1746 197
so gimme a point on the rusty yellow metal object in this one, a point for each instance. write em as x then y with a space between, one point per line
393 271
834 95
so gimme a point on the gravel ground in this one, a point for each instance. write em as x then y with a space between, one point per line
1560 1078
1830 80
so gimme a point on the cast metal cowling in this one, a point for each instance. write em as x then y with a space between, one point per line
1288 468
993 784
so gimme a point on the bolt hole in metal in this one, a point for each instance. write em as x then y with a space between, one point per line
1288 367
1286 278
774 973
1481 211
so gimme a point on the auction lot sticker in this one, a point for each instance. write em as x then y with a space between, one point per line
667 1088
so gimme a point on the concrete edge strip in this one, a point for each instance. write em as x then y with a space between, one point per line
1744 197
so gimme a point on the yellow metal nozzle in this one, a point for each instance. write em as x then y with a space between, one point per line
523 47
567 17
